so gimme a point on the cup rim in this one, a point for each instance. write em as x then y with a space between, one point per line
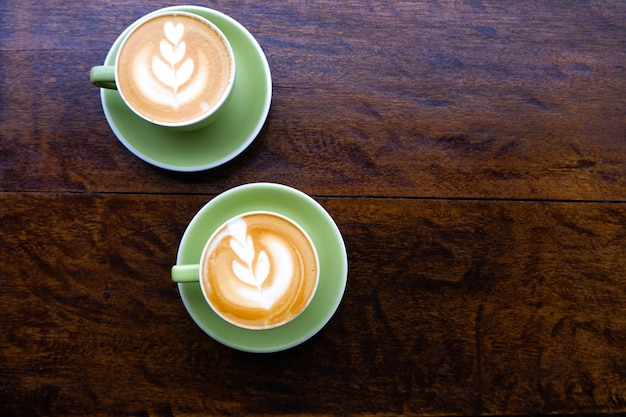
231 79
219 229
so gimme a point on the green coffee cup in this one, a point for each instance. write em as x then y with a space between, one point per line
174 69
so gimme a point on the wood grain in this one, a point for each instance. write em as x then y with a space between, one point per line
473 155
474 307
404 99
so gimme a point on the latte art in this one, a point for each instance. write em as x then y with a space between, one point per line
174 68
251 269
167 68
260 270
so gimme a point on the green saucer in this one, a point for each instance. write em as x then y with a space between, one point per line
322 230
219 142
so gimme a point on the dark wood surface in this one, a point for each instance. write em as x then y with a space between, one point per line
473 155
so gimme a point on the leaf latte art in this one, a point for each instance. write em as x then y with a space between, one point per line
260 270
165 67
173 68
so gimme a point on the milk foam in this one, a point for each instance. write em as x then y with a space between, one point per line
150 83
173 68
259 275
250 269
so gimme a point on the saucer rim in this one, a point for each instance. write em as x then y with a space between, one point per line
246 138
245 339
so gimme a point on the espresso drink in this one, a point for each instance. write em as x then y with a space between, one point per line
259 270
173 68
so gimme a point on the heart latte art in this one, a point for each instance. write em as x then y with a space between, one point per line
173 68
260 270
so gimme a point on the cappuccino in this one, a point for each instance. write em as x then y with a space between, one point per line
259 270
174 69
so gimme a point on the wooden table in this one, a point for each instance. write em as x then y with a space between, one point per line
473 155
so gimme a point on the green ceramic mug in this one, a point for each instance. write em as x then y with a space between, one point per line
258 270
174 69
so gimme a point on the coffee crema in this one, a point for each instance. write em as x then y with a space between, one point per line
260 270
174 69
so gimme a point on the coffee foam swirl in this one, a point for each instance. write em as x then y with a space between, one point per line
163 87
174 68
259 273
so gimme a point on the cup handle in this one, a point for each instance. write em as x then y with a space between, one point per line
103 76
185 273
